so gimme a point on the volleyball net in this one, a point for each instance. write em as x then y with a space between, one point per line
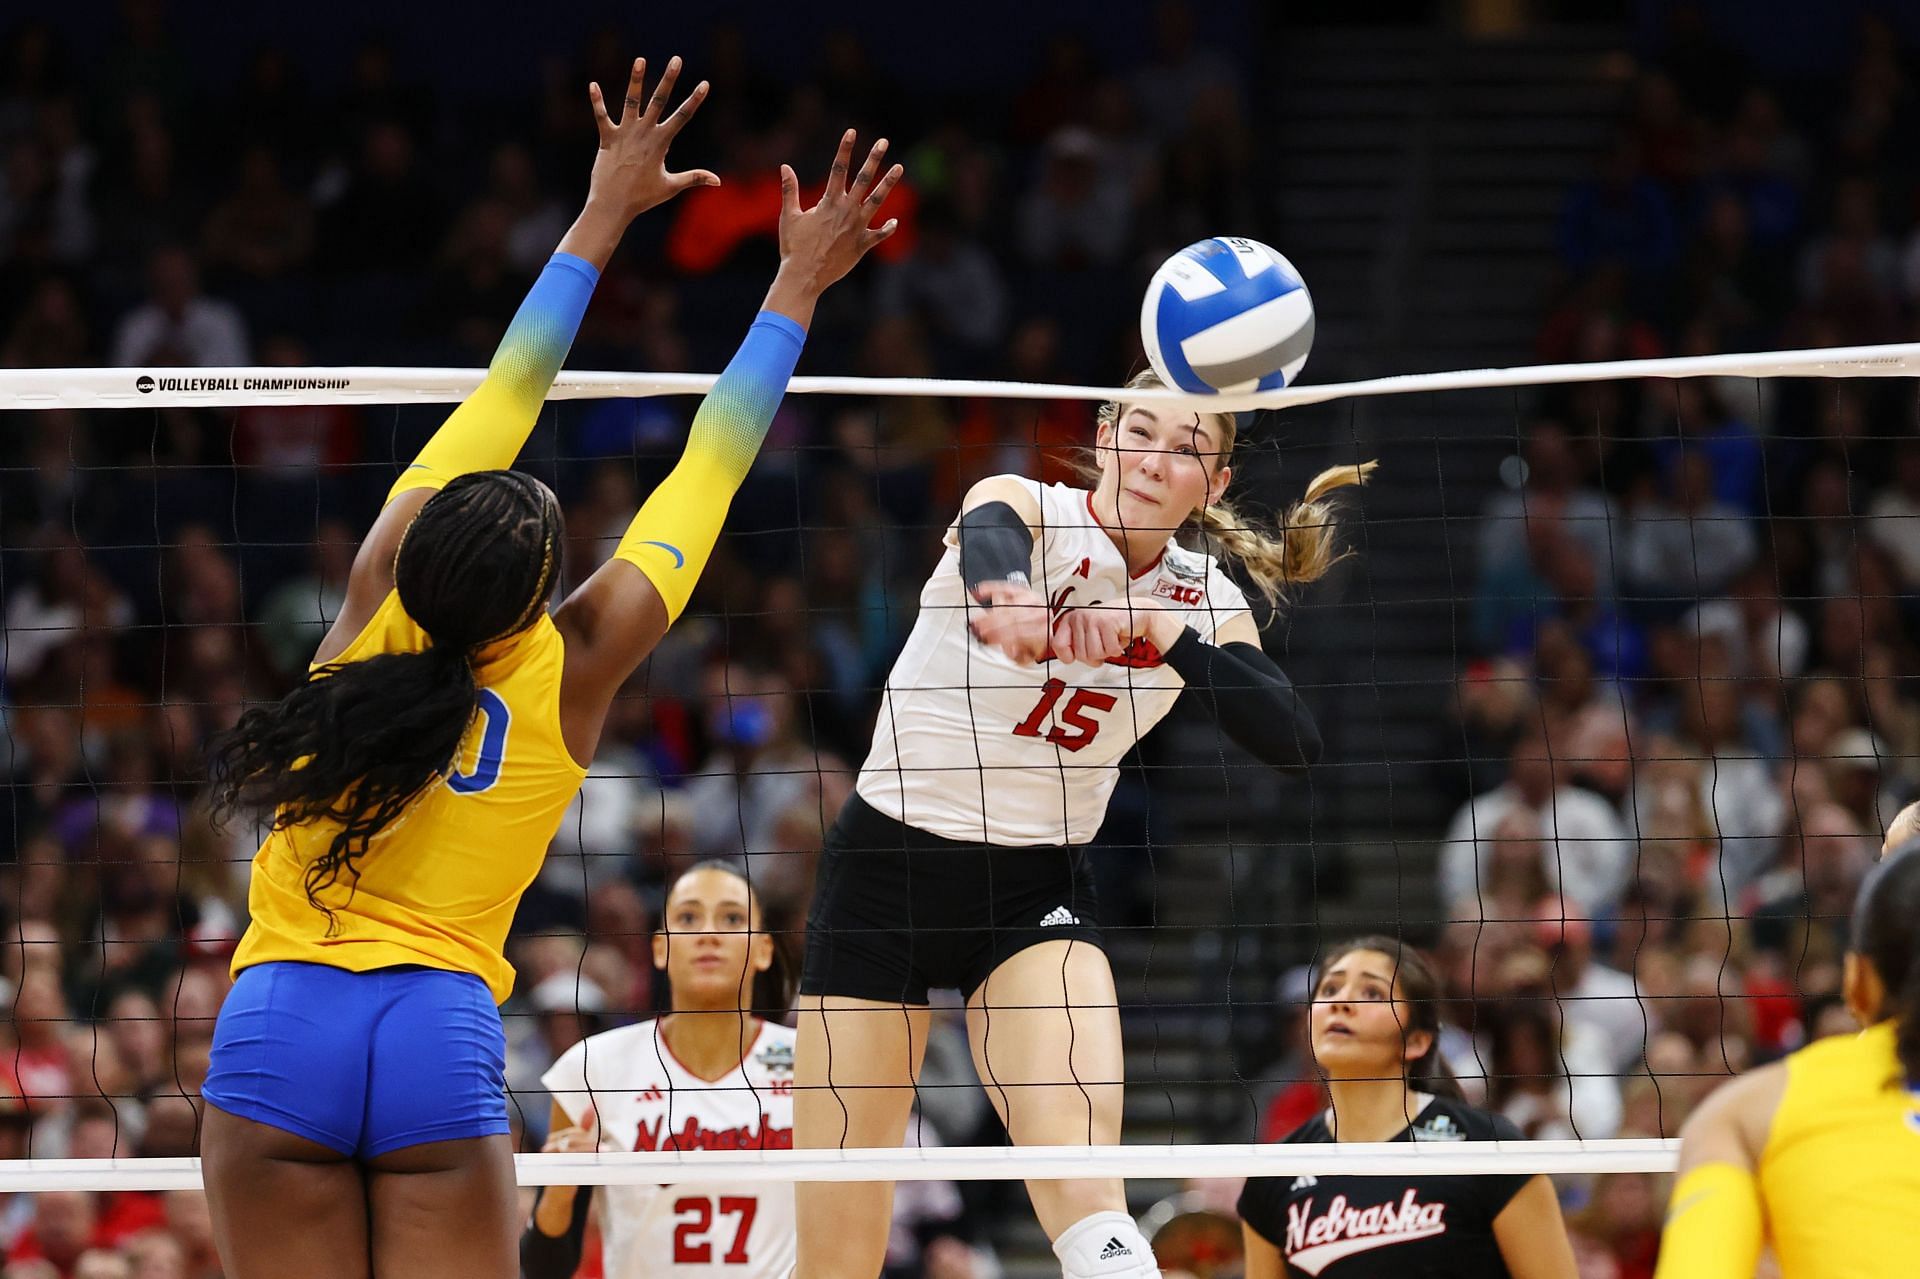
1613 691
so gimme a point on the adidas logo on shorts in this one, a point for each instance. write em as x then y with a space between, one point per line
1057 916
1114 1247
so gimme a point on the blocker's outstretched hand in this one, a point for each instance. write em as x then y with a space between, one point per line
630 170
818 246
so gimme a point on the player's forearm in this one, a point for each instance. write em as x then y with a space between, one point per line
553 1211
675 531
547 1253
1250 697
596 233
794 293
491 426
1714 1225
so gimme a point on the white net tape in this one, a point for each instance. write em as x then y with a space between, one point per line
228 387
959 1163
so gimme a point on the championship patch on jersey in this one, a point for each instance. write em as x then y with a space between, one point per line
1439 1128
776 1056
1183 563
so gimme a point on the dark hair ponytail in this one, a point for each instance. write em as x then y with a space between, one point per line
1886 933
1416 985
360 741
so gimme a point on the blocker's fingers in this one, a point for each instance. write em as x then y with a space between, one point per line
863 181
636 82
842 161
662 91
885 189
789 190
684 112
601 121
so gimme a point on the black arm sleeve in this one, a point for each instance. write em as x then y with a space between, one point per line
995 544
545 1256
1250 697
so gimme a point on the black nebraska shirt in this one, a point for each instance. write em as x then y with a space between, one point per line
1342 1227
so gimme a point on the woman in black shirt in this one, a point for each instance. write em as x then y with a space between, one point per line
1376 1037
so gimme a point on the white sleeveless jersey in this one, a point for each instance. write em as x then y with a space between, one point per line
647 1100
973 746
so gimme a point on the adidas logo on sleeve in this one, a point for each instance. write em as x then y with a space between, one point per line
1059 916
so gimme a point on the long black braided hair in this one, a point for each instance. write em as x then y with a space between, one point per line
359 741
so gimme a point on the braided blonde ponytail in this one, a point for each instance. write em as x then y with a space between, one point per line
1301 550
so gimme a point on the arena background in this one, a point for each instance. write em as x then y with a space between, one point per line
1461 185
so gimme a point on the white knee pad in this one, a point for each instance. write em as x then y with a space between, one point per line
1106 1245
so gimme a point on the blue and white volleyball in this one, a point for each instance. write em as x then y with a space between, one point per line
1227 315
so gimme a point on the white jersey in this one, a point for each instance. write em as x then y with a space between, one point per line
971 745
646 1100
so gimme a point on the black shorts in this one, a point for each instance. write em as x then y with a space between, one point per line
897 912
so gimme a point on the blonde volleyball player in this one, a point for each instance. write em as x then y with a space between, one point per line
357 1122
1060 626
1375 1027
1818 1156
715 1073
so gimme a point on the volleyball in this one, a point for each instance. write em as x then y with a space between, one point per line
1227 315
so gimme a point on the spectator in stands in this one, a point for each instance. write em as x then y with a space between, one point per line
952 285
1802 904
1586 845
177 325
295 614
1687 543
1547 488
1554 1079
1854 223
1621 214
51 331
759 768
263 231
1073 219
1893 515
535 220
1599 1002
1759 637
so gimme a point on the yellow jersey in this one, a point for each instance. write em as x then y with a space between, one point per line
1840 1172
440 885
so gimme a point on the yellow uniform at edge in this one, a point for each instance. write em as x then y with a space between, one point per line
1840 1173
440 885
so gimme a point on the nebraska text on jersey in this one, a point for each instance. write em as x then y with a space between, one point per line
973 746
694 1135
1314 1242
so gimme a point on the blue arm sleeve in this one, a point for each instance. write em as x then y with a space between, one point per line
490 427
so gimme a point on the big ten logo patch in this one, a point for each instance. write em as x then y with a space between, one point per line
1188 595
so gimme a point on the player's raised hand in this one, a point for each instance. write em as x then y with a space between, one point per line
1015 620
630 171
823 243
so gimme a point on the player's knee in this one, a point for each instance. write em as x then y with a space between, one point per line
1105 1245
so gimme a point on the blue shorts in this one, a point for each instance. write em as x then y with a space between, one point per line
363 1063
